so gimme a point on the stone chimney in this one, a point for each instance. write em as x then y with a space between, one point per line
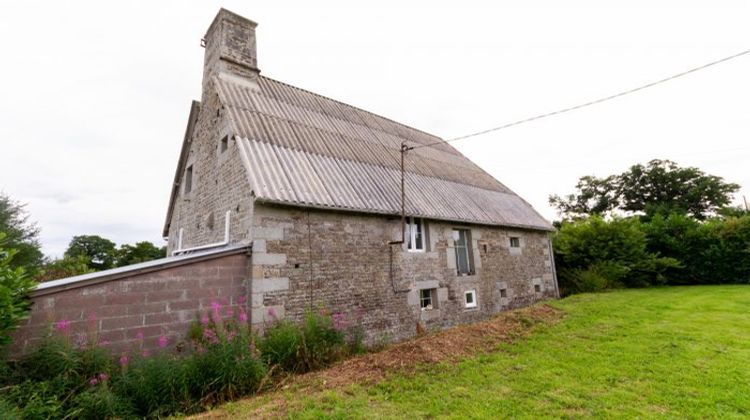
230 50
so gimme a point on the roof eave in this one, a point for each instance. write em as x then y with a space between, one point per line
263 200
192 118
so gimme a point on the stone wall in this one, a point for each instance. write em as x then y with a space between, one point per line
131 311
219 184
309 259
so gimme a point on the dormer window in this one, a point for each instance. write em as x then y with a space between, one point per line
415 238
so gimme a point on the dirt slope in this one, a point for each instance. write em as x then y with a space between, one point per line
407 357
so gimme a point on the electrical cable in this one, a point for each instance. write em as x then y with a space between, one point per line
589 103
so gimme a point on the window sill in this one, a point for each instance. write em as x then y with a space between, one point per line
416 251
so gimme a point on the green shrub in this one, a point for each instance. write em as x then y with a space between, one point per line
310 345
8 411
224 371
597 277
99 402
15 287
155 386
595 253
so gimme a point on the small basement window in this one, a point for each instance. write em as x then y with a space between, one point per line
515 242
462 244
188 179
224 144
470 298
537 288
427 299
415 237
503 293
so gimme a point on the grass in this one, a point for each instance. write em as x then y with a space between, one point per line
672 351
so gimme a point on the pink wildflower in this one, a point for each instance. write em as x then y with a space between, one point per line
163 341
231 335
241 300
63 325
205 320
339 321
92 317
210 336
230 312
243 316
139 335
103 377
124 360
272 312
93 381
216 311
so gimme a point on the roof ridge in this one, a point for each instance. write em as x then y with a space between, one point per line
360 109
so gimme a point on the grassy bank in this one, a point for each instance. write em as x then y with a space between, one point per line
674 351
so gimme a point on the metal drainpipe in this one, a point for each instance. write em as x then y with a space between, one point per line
404 149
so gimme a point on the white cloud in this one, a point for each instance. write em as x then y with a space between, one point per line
95 95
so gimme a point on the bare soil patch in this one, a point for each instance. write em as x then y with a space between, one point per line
407 357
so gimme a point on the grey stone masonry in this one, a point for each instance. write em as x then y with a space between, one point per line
337 261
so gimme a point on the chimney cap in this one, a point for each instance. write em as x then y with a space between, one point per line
229 15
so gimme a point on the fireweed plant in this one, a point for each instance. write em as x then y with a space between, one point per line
75 375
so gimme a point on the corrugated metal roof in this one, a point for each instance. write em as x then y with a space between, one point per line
308 150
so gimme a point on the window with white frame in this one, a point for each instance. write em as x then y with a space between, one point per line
415 237
427 299
470 298
462 245
515 242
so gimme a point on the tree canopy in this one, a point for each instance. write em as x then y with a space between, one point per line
101 253
660 187
140 252
21 234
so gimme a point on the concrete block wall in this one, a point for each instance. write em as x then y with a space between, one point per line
159 303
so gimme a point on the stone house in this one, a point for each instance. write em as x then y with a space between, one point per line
285 201
313 185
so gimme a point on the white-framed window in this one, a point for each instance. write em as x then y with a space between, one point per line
415 237
470 298
462 245
188 180
427 299
515 242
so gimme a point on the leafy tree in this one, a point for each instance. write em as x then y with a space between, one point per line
101 253
15 287
593 254
64 267
140 252
661 187
20 234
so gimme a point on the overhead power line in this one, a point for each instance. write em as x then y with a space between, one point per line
590 103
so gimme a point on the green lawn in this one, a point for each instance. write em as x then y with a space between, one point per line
673 351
